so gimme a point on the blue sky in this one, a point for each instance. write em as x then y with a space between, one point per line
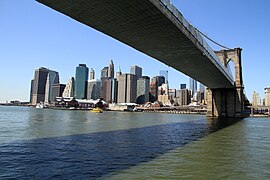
32 35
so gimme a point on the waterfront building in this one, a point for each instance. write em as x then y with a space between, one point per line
109 90
52 78
31 91
81 79
256 99
69 89
164 99
136 70
183 86
104 72
182 97
163 89
172 94
93 89
92 74
39 85
114 90
155 83
164 73
127 87
143 88
111 70
153 89
192 86
57 91
267 96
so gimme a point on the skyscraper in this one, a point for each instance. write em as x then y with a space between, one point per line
70 88
267 96
164 73
118 73
183 97
136 70
111 70
153 89
52 78
255 99
202 93
183 86
104 72
202 88
93 90
127 88
31 91
143 88
193 86
81 79
109 90
57 91
160 80
92 74
39 85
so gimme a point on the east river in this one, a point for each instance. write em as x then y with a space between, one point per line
54 144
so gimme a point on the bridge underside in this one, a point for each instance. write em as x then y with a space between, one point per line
150 28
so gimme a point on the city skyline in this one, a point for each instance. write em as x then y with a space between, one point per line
34 36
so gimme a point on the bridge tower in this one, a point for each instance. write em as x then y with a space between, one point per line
228 102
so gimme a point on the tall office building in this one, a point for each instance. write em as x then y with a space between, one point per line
183 97
127 88
109 90
202 87
256 99
111 70
183 86
118 73
104 72
172 94
114 90
143 88
57 91
164 73
39 85
31 91
70 88
153 89
136 70
160 80
93 90
52 78
267 96
92 74
192 86
163 89
81 79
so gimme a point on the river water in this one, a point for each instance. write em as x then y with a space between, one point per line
54 144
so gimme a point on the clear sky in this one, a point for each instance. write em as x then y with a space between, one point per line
33 35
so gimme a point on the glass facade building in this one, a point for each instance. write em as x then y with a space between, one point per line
164 73
81 79
136 70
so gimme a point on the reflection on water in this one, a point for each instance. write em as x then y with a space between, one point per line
75 145
241 151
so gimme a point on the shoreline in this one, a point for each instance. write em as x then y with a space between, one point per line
144 110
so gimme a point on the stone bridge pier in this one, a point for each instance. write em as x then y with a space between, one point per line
228 102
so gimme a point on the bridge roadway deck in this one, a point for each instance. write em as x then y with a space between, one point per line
150 27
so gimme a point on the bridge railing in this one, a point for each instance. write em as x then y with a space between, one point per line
208 50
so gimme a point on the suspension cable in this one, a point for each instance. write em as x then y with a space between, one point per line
211 39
